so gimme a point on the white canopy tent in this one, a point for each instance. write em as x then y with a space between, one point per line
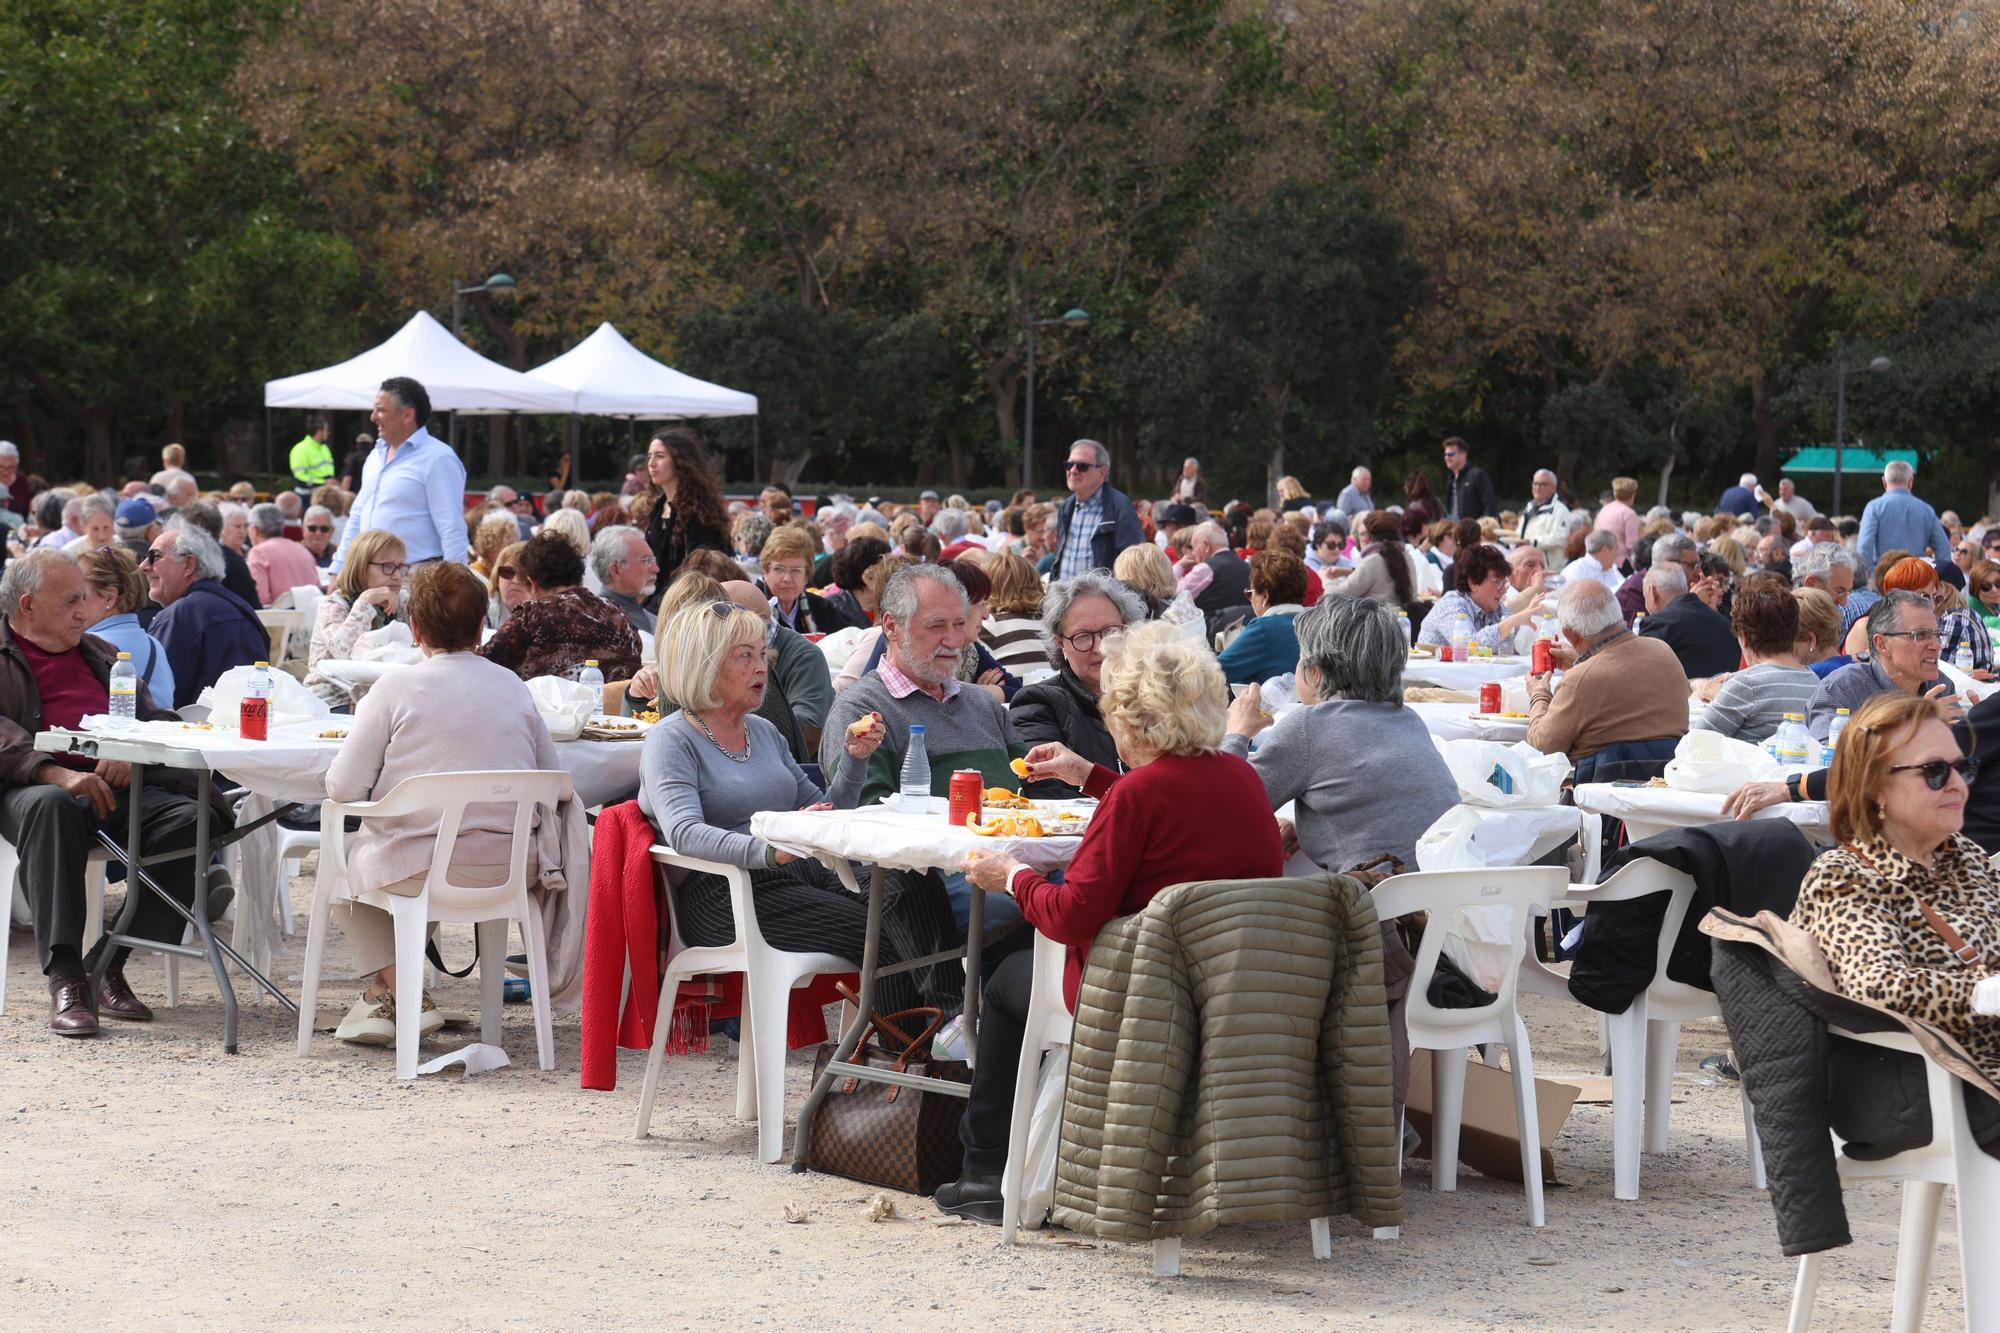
612 378
457 378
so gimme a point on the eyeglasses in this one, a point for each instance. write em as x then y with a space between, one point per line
154 555
1075 465
1937 772
318 527
1931 634
1989 587
1085 640
395 569
507 572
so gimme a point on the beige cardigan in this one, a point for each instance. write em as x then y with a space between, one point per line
455 712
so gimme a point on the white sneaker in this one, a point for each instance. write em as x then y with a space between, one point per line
372 1020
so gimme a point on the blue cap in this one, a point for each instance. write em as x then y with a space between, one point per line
916 728
137 512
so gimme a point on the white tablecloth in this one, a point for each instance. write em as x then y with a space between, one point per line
1467 676
1454 722
355 676
900 841
1650 810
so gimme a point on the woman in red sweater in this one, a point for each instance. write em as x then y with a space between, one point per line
1182 811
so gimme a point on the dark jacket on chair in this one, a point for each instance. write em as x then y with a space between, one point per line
1061 708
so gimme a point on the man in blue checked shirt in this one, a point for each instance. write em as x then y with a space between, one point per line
413 484
1097 521
1896 520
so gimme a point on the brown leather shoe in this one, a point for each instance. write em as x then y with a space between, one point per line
116 1000
69 1006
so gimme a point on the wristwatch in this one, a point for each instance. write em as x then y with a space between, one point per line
1792 787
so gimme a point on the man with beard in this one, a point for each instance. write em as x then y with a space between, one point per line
624 564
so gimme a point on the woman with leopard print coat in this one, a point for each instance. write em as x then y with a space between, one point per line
1907 909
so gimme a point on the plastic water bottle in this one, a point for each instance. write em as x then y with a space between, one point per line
915 792
590 685
1961 656
253 719
124 692
1638 622
1461 639
1793 741
1833 731
1409 634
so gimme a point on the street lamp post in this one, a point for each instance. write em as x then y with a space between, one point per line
1877 366
1071 319
500 284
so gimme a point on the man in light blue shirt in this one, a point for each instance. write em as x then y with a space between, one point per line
1897 520
412 485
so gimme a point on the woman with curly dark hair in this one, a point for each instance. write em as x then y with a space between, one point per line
681 509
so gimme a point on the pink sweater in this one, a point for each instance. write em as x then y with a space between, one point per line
452 713
280 565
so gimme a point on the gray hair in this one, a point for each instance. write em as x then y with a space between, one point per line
1587 609
228 507
25 574
267 520
8 449
1672 547
97 504
1885 617
949 525
1819 560
493 495
1543 474
1210 532
73 507
1899 473
899 599
49 508
1099 454
168 478
1747 481
321 510
1062 596
1356 646
193 540
608 547
1668 578
752 531
1600 539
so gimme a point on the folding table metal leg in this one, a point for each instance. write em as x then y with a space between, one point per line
870 960
203 783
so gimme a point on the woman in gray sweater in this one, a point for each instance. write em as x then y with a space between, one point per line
1361 767
713 763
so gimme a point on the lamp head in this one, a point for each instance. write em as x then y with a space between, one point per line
1076 319
1879 364
500 284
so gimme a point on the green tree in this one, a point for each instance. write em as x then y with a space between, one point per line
152 255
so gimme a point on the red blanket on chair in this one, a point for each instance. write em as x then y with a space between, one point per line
623 930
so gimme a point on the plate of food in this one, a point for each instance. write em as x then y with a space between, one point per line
603 728
334 734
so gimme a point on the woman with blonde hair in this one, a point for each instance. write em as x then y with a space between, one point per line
570 525
1182 810
366 595
510 589
1013 628
1292 493
712 763
1907 908
1147 571
494 534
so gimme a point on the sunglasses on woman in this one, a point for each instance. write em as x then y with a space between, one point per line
1937 772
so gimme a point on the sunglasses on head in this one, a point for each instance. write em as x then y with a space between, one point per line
507 572
154 555
1937 772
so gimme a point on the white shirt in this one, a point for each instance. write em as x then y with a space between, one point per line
1586 567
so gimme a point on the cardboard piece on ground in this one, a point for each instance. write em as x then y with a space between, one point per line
1487 1138
1595 1089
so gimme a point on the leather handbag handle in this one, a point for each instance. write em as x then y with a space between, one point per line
1960 948
879 1024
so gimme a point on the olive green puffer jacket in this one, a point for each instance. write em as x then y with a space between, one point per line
1230 1063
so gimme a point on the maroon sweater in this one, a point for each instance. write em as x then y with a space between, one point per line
1175 820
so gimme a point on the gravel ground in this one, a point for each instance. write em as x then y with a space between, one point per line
147 1179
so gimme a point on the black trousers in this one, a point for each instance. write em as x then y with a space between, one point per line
1003 1025
53 832
804 908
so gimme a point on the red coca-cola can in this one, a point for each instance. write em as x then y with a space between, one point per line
253 722
968 796
1542 660
1444 650
1489 697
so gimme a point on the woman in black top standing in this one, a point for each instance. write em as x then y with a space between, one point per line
681 508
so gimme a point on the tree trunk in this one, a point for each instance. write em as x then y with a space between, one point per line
496 448
176 416
1764 429
1666 475
100 426
955 449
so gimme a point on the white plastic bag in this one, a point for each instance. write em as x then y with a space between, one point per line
290 701
1183 614
1504 777
838 646
1707 761
1044 1137
392 643
563 708
1476 939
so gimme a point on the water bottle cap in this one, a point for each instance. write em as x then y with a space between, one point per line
1798 717
262 665
1838 712
124 657
916 728
590 661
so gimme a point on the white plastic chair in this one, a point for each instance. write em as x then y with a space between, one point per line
769 975
93 907
1950 1158
488 908
1519 892
1047 1028
1645 1039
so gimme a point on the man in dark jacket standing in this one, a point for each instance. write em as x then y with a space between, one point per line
1468 491
205 628
1097 521
1700 638
51 808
